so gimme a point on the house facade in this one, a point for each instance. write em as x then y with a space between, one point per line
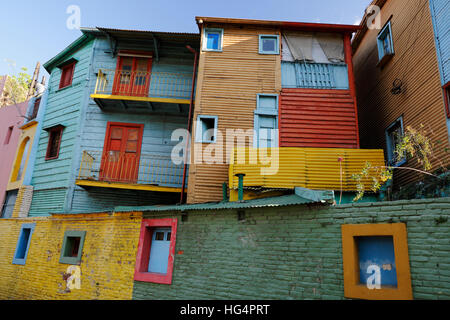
114 98
401 67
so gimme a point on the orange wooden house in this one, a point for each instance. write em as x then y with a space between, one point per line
285 86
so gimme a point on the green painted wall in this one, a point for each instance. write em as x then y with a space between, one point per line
295 252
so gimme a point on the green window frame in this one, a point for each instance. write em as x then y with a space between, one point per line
72 247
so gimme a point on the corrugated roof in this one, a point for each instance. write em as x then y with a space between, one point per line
124 33
282 201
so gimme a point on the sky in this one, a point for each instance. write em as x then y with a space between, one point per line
36 30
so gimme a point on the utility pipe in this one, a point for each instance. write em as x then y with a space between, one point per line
191 104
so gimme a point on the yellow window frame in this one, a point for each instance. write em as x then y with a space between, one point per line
355 290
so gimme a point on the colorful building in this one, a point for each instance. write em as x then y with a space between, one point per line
11 118
401 76
282 85
114 98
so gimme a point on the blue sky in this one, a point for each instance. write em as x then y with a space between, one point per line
34 31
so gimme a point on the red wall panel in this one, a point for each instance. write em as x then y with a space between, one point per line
318 118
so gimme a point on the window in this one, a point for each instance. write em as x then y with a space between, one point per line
266 121
447 98
269 44
23 244
21 159
156 251
54 142
394 134
8 135
206 129
36 104
8 205
384 41
212 40
72 247
67 75
376 262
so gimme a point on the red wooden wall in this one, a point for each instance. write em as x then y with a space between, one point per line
318 118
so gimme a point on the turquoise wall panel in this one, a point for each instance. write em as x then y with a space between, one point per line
314 75
440 12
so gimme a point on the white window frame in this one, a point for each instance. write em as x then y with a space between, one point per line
199 129
205 39
277 45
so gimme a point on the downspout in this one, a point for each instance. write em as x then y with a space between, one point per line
191 104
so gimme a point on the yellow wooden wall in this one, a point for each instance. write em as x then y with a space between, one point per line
107 265
415 63
227 87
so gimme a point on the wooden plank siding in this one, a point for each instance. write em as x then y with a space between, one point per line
317 118
227 86
415 63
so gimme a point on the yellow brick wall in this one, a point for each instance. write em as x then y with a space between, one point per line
107 263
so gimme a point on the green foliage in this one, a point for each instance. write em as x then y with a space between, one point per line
413 143
16 88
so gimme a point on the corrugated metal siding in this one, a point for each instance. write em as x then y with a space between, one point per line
227 86
317 118
312 168
440 10
45 202
415 63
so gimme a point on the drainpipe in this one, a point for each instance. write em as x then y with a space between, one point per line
191 104
240 186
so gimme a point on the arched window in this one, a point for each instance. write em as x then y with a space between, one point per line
21 160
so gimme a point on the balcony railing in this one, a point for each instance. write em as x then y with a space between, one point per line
312 168
144 84
126 168
314 75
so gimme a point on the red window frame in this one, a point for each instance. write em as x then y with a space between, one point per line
143 252
446 89
53 134
37 103
67 75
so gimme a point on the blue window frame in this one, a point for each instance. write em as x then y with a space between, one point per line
394 133
206 129
159 251
384 41
213 39
269 44
23 244
266 121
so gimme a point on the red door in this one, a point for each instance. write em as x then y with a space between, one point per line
121 152
132 77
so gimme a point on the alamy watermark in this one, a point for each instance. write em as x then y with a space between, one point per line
74 19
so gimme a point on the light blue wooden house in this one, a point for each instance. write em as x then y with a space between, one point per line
114 99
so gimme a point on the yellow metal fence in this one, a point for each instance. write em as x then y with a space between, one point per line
312 168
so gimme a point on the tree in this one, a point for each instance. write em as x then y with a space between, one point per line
413 143
16 88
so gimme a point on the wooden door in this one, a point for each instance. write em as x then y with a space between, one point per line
121 152
132 76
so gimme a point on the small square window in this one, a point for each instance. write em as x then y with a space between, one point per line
72 247
269 44
23 244
385 43
376 262
54 142
212 40
206 129
394 134
156 250
67 72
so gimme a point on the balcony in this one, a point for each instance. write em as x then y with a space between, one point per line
311 168
142 90
149 172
